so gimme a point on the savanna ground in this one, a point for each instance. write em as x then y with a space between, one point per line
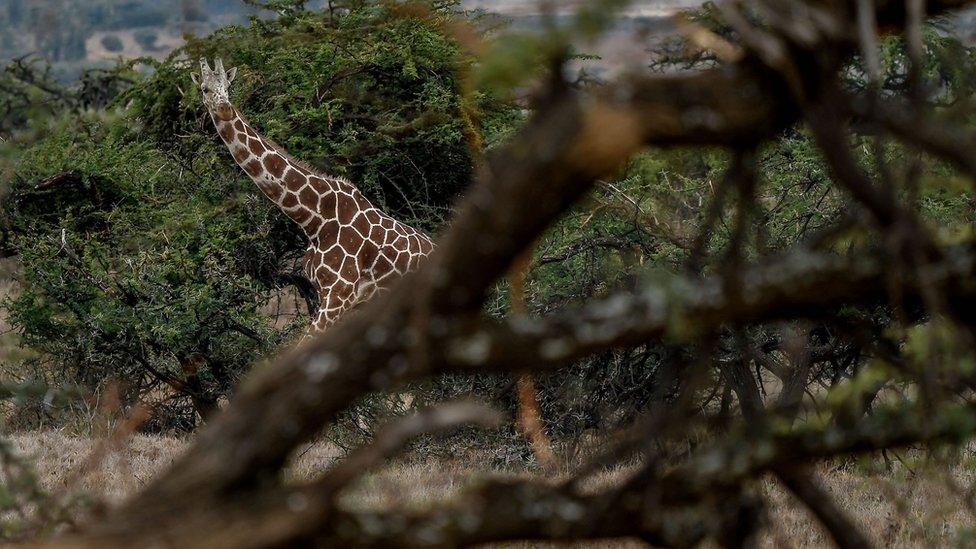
900 500
901 504
7 345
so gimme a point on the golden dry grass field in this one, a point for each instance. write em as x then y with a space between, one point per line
911 502
906 506
7 345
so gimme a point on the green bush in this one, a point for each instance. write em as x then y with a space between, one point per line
149 259
373 95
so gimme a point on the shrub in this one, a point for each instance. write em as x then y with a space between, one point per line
150 259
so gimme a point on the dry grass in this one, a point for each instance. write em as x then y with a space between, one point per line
906 506
896 508
58 457
7 343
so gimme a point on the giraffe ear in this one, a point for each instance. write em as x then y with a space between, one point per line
231 75
193 76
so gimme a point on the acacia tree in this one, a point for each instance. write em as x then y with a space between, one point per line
149 259
784 66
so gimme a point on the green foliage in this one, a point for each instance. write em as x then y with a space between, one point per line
150 259
137 272
32 100
373 95
643 225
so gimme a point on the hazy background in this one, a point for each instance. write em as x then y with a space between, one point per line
76 34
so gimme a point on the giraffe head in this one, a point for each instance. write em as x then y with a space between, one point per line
215 85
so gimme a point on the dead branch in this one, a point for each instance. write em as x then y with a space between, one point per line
226 490
798 285
529 416
571 143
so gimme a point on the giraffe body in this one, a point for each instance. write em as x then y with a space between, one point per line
354 248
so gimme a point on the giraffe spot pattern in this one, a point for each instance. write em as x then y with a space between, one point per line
308 197
329 231
328 204
294 179
289 201
346 209
320 185
275 165
273 192
241 154
253 167
355 249
361 225
226 132
313 225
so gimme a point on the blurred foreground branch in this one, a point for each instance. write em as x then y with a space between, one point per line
227 491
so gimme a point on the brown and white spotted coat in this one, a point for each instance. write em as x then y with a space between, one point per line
354 248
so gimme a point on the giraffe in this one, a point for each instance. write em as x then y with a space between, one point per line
354 248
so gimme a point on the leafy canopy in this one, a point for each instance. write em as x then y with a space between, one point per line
149 258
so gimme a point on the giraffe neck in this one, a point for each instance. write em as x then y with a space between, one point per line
354 248
296 190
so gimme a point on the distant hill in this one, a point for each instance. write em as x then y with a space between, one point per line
528 8
101 31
